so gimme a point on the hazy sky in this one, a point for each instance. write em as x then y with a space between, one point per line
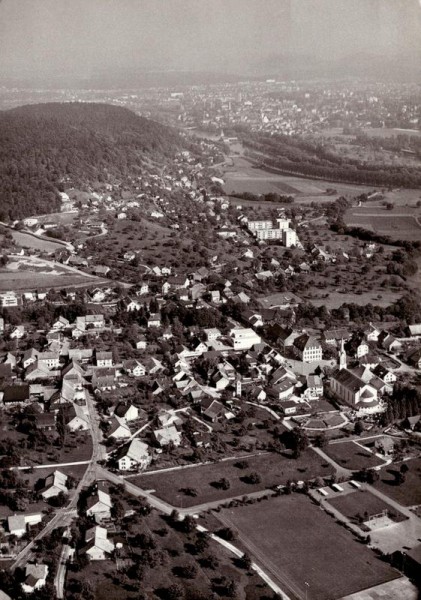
82 37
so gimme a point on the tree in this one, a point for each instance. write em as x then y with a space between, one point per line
174 592
358 427
246 561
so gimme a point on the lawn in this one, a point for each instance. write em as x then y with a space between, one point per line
407 493
296 542
274 469
352 456
363 503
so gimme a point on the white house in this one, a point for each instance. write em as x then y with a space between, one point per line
134 456
16 525
119 429
54 484
35 577
98 547
99 506
167 435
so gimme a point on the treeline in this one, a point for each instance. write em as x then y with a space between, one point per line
44 145
271 197
405 402
295 156
371 236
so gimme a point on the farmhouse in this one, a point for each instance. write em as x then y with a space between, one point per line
54 484
133 456
99 506
35 577
99 547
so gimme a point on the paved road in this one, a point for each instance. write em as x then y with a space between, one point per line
51 466
61 571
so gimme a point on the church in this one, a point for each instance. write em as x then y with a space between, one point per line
353 390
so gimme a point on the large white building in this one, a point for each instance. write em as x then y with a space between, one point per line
244 338
267 230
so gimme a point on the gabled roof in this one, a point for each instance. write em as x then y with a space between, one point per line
136 450
305 341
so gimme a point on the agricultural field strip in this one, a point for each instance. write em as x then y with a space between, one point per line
266 562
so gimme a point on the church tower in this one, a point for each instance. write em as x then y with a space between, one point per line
342 356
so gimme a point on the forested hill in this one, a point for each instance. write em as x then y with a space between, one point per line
43 144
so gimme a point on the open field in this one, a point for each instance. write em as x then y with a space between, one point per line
407 493
29 241
336 299
351 456
400 223
319 551
360 505
29 273
273 469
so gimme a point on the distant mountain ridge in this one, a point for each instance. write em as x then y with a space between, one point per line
43 143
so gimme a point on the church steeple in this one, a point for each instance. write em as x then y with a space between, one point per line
342 356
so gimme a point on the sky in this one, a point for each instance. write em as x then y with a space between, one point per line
85 37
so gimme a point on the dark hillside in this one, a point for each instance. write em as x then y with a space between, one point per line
45 145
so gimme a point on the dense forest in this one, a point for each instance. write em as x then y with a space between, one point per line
45 145
294 156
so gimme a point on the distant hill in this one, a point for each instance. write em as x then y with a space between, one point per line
43 144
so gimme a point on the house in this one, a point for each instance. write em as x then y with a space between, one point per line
133 456
29 357
388 342
134 367
16 525
314 386
54 484
9 299
308 348
18 332
168 418
133 305
97 295
45 421
103 378
98 547
141 343
49 360
39 371
61 323
119 429
212 334
154 320
414 358
76 419
101 270
384 374
99 506
212 409
168 435
413 330
371 333
104 359
16 394
284 388
35 577
362 349
129 412
335 336
143 289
